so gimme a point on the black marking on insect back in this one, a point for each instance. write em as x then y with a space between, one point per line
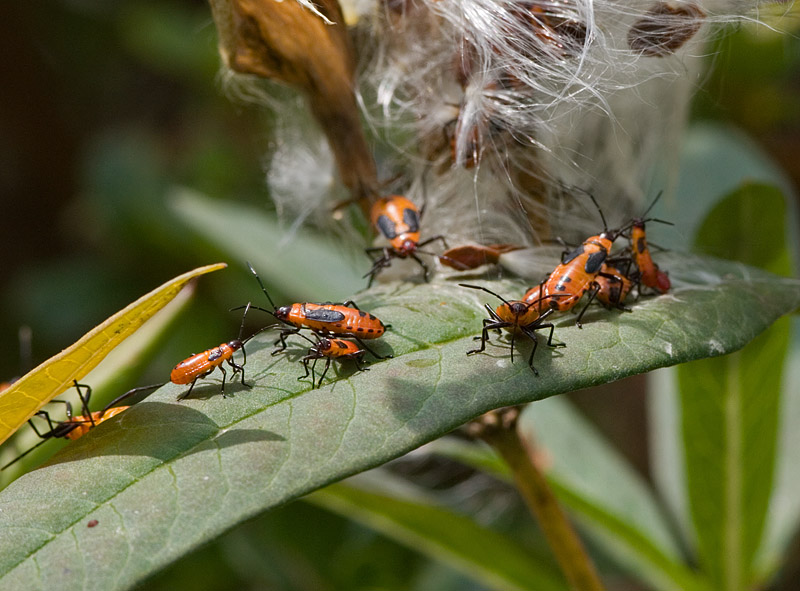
323 315
641 245
411 219
215 354
575 253
386 226
371 317
595 261
370 330
562 284
362 313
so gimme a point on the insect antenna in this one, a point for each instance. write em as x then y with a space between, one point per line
501 298
649 207
128 394
264 289
270 312
23 454
600 211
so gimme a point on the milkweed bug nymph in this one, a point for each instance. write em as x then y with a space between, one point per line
200 365
398 220
577 273
339 320
75 427
649 273
330 349
516 317
614 286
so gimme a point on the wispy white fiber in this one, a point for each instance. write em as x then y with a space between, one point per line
489 110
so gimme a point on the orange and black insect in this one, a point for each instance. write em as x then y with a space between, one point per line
338 320
517 317
398 220
614 287
649 273
577 274
200 365
330 349
75 427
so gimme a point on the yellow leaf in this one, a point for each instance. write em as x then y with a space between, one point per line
27 395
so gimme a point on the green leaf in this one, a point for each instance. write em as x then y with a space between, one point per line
610 501
303 264
164 477
716 160
600 488
483 554
747 226
730 405
109 379
31 392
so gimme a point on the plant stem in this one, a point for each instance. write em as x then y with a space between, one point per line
499 429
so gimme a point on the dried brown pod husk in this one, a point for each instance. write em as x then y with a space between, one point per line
288 43
665 28
472 256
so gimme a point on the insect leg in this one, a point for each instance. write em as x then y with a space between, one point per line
594 291
373 353
425 270
485 334
224 377
189 391
282 339
322 377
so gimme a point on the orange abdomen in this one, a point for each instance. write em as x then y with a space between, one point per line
340 348
84 424
613 292
199 364
649 272
336 319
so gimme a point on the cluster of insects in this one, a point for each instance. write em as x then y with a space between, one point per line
588 269
338 331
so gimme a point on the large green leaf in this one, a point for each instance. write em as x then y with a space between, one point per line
730 405
164 477
483 554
